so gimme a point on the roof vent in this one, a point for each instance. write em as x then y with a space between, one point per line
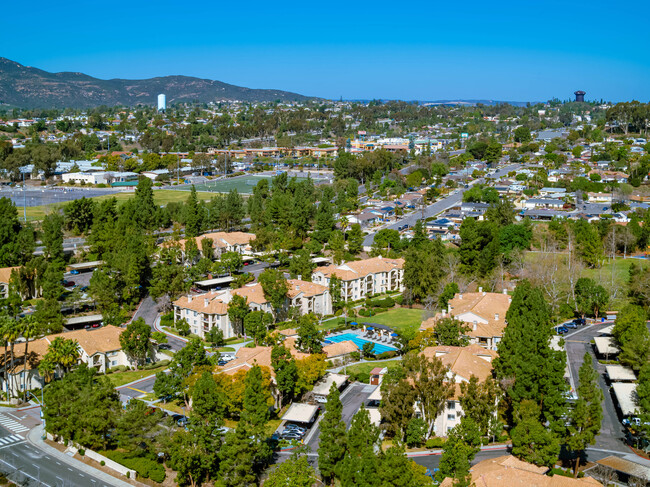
189 298
496 316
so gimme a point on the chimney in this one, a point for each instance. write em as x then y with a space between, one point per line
505 291
444 313
460 296
496 316
206 301
474 327
189 298
480 289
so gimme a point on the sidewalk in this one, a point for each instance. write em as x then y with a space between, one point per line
34 437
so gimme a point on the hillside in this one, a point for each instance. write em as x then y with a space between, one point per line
27 87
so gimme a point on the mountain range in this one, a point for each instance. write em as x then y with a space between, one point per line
28 87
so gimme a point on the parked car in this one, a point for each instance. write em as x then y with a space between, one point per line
580 321
570 324
74 272
561 330
294 427
96 325
67 283
291 436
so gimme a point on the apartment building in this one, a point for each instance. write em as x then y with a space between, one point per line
484 312
362 278
206 311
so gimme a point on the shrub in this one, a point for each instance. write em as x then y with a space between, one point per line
385 355
364 312
167 319
102 463
415 432
435 442
399 299
128 475
101 185
356 356
145 466
82 452
154 365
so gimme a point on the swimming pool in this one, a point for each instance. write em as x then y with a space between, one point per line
358 341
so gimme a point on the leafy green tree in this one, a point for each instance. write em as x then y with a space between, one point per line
324 222
82 407
360 466
333 439
208 401
192 215
215 337
522 134
231 262
479 402
256 411
136 340
256 324
275 289
590 297
335 292
458 452
52 237
78 215
630 324
295 472
416 431
238 458
432 389
397 406
451 332
171 384
526 363
532 442
309 337
448 293
237 311
587 414
423 270
138 426
286 371
301 265
355 239
396 470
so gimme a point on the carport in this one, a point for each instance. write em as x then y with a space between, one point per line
606 346
625 393
322 390
619 373
300 413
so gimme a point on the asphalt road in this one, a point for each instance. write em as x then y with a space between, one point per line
351 399
437 207
612 434
27 465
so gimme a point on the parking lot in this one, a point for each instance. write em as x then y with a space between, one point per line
46 196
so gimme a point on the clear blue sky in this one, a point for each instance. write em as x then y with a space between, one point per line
425 50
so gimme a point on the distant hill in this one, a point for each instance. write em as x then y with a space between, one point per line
27 87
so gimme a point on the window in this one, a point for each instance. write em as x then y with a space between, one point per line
113 363
451 404
451 417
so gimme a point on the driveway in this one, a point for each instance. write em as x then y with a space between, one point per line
612 434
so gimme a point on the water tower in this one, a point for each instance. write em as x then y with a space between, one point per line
162 103
580 95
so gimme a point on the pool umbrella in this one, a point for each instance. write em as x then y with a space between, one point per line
394 335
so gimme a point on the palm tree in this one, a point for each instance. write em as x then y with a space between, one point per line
64 352
11 332
46 369
30 329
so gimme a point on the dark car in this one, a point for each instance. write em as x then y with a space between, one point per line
68 283
562 330
580 321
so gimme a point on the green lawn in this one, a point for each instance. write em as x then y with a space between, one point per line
398 319
160 196
120 378
367 367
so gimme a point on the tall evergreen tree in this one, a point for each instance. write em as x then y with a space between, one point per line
286 371
360 466
458 452
238 458
256 411
587 414
527 366
192 215
531 441
332 443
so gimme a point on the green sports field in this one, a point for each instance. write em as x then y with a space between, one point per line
243 185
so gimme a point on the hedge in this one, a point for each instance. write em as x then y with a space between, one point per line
146 467
385 355
435 442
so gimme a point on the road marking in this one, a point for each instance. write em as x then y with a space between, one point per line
136 390
575 341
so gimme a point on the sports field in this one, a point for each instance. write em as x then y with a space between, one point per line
160 196
243 185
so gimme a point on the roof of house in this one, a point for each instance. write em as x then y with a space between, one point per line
464 361
246 358
252 292
219 239
306 288
104 339
508 470
341 348
349 271
490 307
204 303
5 274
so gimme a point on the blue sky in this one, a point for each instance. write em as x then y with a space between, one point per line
502 50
